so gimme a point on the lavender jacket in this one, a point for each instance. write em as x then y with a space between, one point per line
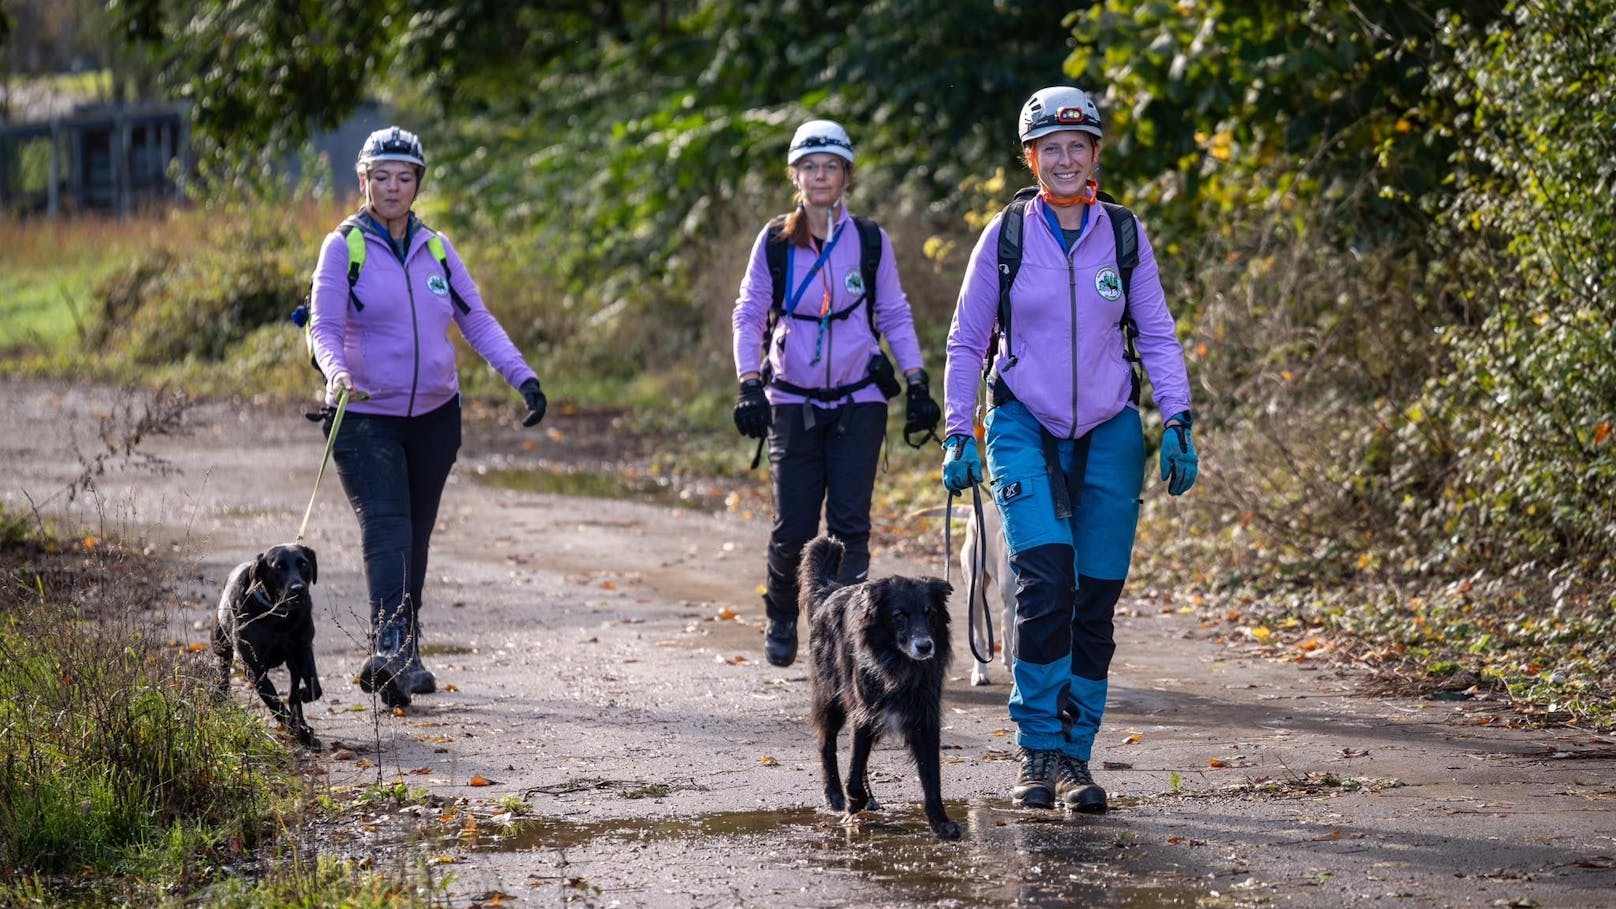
1068 366
397 349
847 345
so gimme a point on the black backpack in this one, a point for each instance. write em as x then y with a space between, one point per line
1126 233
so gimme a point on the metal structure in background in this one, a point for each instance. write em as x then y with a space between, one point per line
99 158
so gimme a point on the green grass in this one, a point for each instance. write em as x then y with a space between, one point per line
124 779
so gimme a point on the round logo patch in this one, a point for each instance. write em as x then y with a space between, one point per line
437 285
1107 283
854 284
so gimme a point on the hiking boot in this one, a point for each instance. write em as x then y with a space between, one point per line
1035 785
420 679
780 642
384 673
1076 787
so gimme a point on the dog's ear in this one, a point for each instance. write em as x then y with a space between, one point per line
258 573
939 590
314 563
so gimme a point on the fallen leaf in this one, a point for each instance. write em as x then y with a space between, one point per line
196 647
420 771
451 687
342 754
768 761
608 585
1133 739
1116 765
479 780
726 614
398 711
364 763
1262 633
1216 762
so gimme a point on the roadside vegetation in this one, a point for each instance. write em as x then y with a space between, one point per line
1388 236
125 779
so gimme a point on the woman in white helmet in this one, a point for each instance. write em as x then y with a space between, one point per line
1065 448
385 292
820 292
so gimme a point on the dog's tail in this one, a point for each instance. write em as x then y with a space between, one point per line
816 576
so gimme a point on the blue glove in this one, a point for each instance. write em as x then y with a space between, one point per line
1178 462
962 467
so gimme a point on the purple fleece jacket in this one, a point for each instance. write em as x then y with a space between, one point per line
847 346
397 348
1068 366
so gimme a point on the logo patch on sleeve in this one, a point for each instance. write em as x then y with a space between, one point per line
437 285
1010 492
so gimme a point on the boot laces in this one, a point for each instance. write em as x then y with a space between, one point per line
1075 773
1035 765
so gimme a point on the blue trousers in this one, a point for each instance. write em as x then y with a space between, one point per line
1069 554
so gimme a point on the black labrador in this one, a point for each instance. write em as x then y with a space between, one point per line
880 652
266 615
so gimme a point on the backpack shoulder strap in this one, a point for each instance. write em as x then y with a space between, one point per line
1125 231
434 244
355 238
1011 221
869 263
775 251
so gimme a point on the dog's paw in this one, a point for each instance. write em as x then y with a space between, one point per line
311 692
946 830
979 675
835 802
858 800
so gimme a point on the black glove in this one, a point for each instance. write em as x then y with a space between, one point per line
752 415
921 413
535 400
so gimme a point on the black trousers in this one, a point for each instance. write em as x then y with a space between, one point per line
393 470
827 462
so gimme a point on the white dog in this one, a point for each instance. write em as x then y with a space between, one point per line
998 579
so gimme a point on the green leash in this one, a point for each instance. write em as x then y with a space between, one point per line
330 440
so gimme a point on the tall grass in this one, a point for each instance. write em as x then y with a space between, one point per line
115 749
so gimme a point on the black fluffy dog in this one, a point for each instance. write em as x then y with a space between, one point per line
267 616
880 652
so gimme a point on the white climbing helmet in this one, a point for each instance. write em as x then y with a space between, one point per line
390 143
820 136
1058 107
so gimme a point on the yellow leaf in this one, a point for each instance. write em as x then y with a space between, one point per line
768 761
726 614
760 590
451 687
1133 739
479 780
91 542
1262 633
1215 762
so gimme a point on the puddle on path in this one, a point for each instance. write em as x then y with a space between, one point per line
590 484
1007 858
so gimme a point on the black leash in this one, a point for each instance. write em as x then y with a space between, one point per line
979 567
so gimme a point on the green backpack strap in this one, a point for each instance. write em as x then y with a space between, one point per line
434 243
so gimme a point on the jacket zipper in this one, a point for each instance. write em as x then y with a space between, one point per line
1071 285
415 335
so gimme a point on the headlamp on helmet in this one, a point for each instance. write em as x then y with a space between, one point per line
1058 107
820 136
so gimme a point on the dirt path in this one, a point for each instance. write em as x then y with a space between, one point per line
602 666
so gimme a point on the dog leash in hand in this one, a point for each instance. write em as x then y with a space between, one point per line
330 440
979 567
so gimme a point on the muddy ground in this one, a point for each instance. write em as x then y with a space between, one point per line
608 733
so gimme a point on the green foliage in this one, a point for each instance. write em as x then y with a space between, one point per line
263 74
1532 399
109 749
168 306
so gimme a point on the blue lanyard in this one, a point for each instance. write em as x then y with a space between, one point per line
1053 221
791 304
